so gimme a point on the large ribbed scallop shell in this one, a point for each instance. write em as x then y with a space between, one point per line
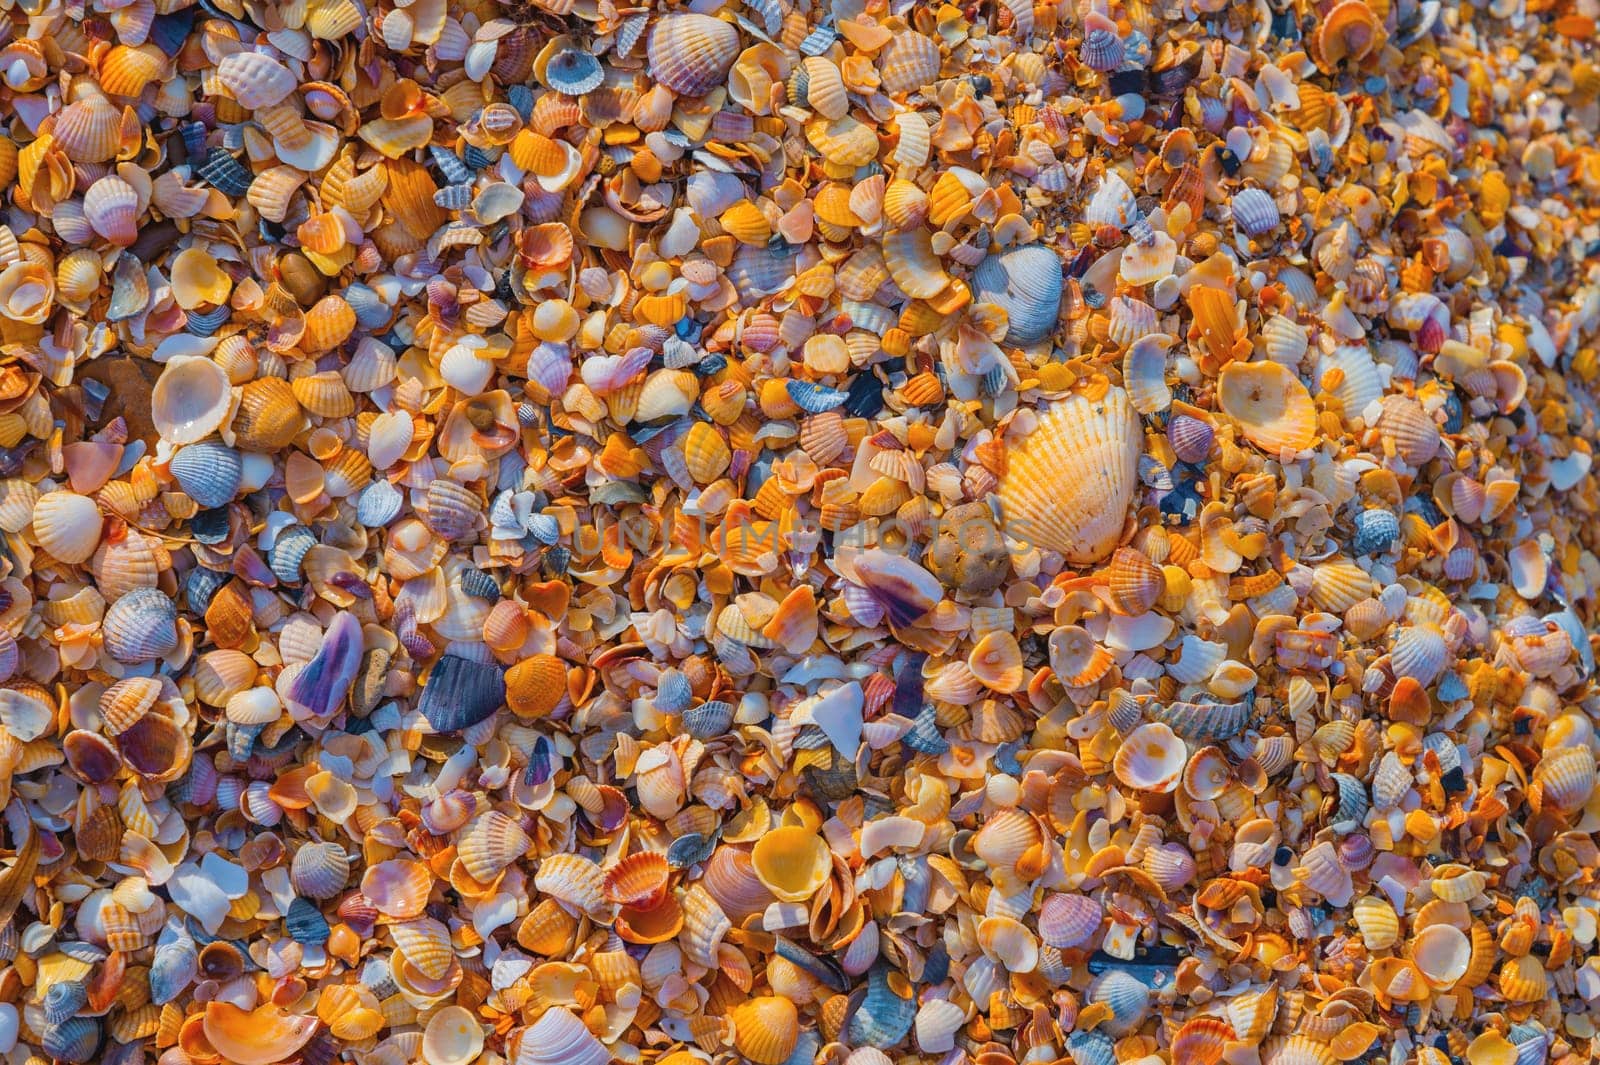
691 53
1068 484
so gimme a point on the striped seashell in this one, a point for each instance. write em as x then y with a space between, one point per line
1130 319
908 63
691 53
1255 212
320 870
574 881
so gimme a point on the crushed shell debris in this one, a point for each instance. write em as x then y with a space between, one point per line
805 532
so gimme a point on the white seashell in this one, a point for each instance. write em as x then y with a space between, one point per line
190 400
1359 385
1112 204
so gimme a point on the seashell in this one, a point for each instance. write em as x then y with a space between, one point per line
1441 953
111 207
1191 438
256 1037
1273 409
453 1037
708 720
1069 921
67 526
1284 341
1144 374
1026 283
1150 261
1420 653
268 418
1127 998
320 870
765 1029
1377 922
1359 384
460 693
140 627
691 53
190 400
255 79
1349 32
1203 722
936 1025
1415 434
909 62
1151 758
397 888
89 130
536 685
208 472
573 71
1068 485
558 1037
1207 775
74 1040
1112 204
1010 943
1565 778
792 863
1102 47
574 881
1255 213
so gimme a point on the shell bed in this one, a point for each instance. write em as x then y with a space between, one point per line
796 532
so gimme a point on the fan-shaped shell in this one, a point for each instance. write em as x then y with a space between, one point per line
909 62
1068 484
1026 283
690 53
792 862
67 526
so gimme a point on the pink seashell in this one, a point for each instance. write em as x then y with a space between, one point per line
112 208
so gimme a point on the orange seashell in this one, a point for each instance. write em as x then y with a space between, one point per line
258 1037
765 1029
1350 32
1272 408
536 685
639 881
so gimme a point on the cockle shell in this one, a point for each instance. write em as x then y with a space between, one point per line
1151 758
1068 485
190 400
691 53
1026 283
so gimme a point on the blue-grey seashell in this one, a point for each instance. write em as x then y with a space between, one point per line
1351 802
1026 283
201 585
74 1040
1376 532
206 323
169 32
818 41
194 139
450 165
305 923
64 999
521 97
1091 1048
1153 473
708 720
1206 722
242 739
225 173
924 736
140 627
814 398
454 197
1126 997
460 693
480 585
208 472
380 503
289 550
370 309
173 969
320 687
673 692
376 978
690 849
805 1049
478 158
758 270
883 1018
573 72
545 528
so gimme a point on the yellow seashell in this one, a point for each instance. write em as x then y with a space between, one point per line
792 862
706 453
1068 484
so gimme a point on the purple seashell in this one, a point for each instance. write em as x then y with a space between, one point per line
1356 852
322 684
10 656
405 624
1067 921
1191 438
